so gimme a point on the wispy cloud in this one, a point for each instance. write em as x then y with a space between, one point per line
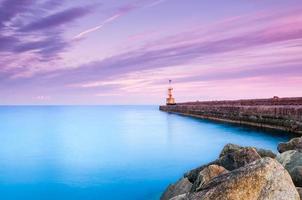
33 32
124 10
155 3
63 17
110 19
11 8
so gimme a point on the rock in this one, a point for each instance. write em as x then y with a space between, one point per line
206 175
293 144
292 162
229 161
264 179
193 174
238 158
296 175
230 148
181 187
265 153
180 197
299 189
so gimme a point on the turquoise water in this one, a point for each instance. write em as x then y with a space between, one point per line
107 152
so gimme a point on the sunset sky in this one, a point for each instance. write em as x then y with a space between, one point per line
125 51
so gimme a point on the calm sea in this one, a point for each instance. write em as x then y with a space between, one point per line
107 152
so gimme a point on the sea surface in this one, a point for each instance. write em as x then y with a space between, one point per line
107 152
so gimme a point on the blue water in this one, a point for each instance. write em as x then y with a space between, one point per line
107 152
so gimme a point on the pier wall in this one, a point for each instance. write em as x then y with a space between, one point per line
276 113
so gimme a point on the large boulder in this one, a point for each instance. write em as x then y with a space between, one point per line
230 148
264 179
181 187
206 175
293 144
238 158
292 161
229 161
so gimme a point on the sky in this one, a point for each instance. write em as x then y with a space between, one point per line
125 51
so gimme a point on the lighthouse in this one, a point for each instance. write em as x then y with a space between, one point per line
170 99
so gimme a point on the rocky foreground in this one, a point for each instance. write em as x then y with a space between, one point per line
244 173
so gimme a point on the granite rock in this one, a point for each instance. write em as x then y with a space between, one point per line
181 187
265 153
293 144
264 179
206 175
238 158
229 161
180 197
292 162
230 148
299 189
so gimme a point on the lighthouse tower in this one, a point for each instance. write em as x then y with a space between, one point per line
170 99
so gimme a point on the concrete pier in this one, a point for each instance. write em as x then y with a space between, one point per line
274 113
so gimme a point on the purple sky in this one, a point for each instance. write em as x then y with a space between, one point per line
124 52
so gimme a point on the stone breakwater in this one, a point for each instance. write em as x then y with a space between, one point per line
247 173
276 113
